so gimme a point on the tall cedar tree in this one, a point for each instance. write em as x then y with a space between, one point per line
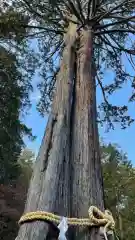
67 178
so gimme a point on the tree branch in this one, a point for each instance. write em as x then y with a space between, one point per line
129 51
80 10
74 10
55 50
55 21
94 6
61 32
105 100
121 17
114 23
102 89
32 9
120 48
89 8
63 15
115 30
113 9
36 34
131 61
107 42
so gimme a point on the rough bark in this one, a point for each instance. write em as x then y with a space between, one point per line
67 175
86 178
53 158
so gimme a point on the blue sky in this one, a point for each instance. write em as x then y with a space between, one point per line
124 138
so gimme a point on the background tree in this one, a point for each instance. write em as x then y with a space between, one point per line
16 71
119 177
12 129
86 35
13 197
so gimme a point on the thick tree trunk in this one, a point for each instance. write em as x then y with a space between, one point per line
50 182
67 175
86 186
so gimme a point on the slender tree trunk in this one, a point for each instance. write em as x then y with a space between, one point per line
86 187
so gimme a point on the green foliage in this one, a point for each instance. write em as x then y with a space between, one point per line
112 24
16 70
13 196
119 178
10 22
12 129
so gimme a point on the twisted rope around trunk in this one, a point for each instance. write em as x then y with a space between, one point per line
96 218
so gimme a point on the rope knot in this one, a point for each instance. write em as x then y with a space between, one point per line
101 219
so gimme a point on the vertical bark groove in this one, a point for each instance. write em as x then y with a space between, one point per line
85 159
49 136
